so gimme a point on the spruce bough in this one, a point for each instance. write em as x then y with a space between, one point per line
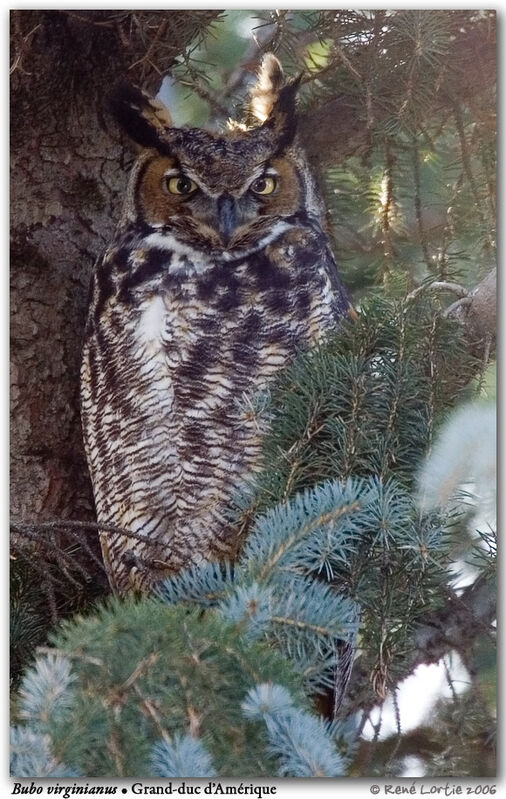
213 676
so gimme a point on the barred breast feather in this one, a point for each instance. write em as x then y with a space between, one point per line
174 338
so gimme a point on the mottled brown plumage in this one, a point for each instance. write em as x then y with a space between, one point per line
218 274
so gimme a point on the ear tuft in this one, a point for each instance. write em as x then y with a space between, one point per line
272 101
283 114
265 92
142 117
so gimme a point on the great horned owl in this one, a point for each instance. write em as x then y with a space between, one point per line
218 273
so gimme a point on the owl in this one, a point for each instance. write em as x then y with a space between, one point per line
219 272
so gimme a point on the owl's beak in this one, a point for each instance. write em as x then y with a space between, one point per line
227 217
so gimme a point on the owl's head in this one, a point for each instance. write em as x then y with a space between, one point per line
223 191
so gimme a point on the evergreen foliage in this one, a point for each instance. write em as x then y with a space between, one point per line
190 656
217 674
178 702
28 618
419 196
366 402
176 670
185 757
31 755
269 594
467 724
45 691
368 539
54 573
302 743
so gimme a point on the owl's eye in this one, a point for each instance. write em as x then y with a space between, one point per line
265 185
180 185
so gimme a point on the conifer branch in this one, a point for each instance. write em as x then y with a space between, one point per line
438 285
323 519
142 666
51 650
455 627
476 309
466 160
302 625
152 713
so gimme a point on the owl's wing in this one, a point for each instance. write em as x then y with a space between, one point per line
125 404
342 305
304 252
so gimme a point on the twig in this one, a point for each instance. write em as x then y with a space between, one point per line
151 710
418 204
331 66
146 58
106 23
460 303
478 316
431 399
387 206
144 664
374 741
23 47
74 655
29 529
466 160
449 680
439 285
395 701
63 558
455 626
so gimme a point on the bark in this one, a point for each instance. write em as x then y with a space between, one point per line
478 313
65 187
67 180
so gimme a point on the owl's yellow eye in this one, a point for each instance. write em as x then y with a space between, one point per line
265 185
180 185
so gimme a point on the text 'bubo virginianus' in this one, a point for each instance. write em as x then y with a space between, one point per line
219 272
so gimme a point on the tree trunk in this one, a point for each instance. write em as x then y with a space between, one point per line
67 180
